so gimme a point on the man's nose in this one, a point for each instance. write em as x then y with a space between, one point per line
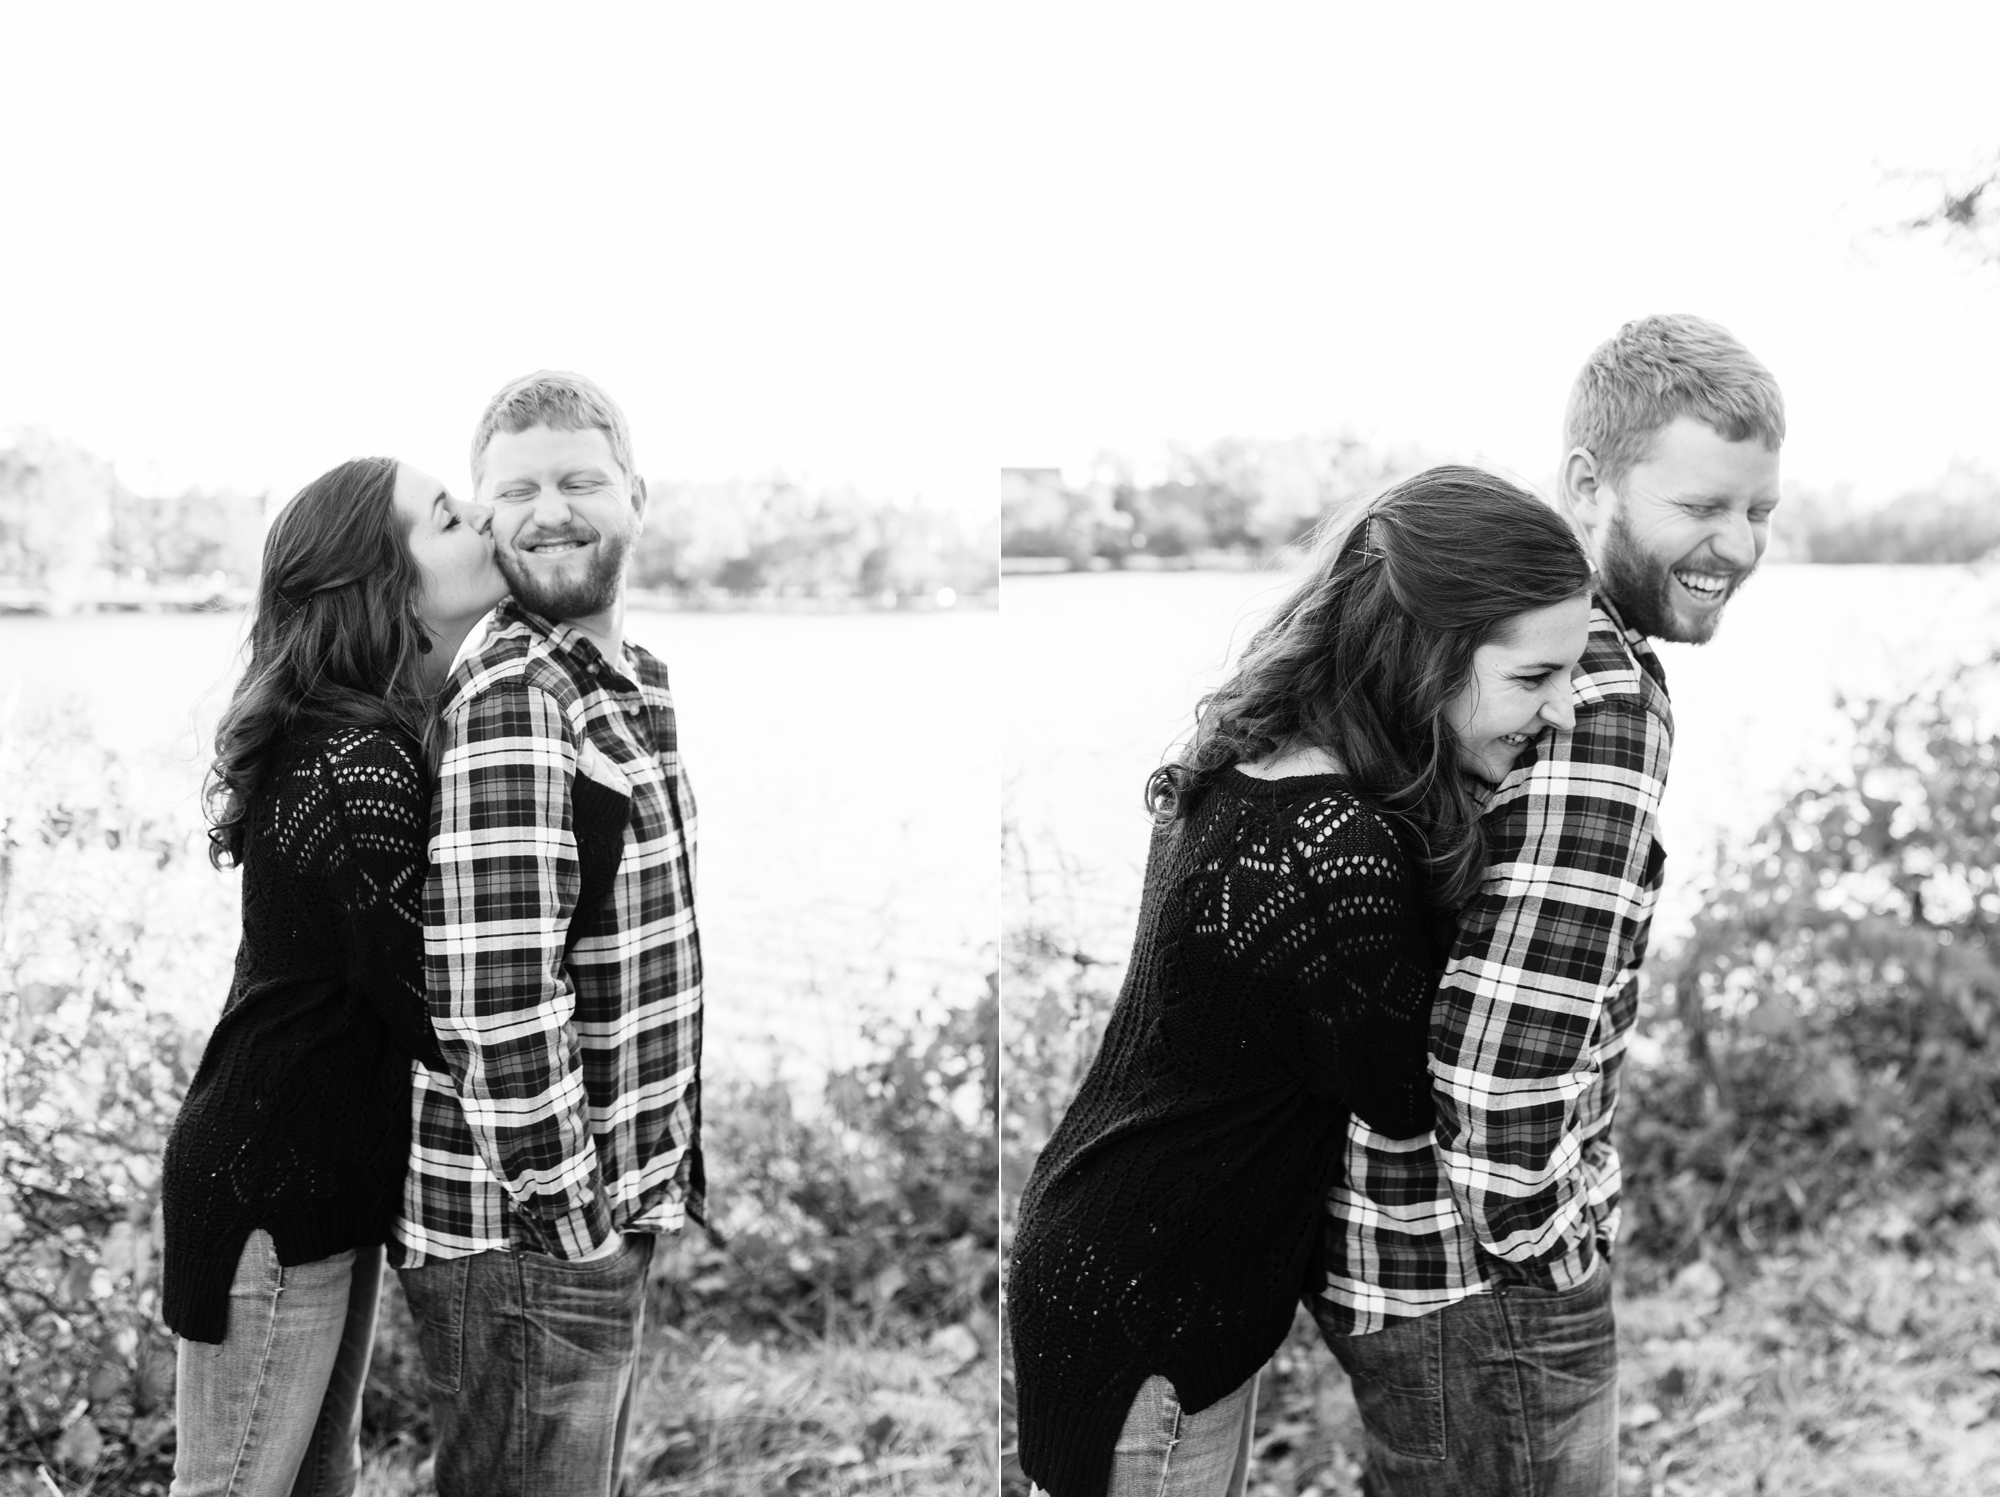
1734 542
550 509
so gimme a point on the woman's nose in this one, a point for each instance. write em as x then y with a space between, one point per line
472 512
1558 712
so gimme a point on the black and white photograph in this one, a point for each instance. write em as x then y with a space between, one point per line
498 751
1500 513
999 750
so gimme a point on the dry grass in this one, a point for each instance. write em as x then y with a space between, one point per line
731 1418
1862 1363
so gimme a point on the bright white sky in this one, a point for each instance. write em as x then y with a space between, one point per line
1416 221
243 243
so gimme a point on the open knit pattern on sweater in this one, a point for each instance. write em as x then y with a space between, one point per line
1281 976
298 1119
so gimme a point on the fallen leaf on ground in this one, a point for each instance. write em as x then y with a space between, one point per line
955 1342
1640 1415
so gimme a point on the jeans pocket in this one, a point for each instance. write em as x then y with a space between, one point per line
1397 1375
1566 1337
590 1311
634 1251
436 1296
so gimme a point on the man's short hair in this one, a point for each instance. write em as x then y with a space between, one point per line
1657 368
554 398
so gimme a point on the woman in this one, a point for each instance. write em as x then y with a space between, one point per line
1307 852
286 1163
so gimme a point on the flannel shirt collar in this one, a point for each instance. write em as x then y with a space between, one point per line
1644 658
1641 647
570 645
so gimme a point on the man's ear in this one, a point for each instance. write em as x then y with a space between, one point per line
638 505
1579 486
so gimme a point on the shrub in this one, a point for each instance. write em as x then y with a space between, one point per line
111 926
1059 995
1830 1023
875 1214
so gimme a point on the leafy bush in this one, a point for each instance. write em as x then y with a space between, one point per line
1059 996
876 1214
1830 1023
110 924
1059 993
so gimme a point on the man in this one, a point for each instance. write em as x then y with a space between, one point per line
1466 1288
564 975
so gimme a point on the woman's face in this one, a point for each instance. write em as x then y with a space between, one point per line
1519 686
450 541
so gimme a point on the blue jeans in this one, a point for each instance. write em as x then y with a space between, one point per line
531 1362
1512 1393
276 1408
1164 1451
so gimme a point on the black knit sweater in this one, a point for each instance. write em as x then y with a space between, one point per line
298 1119
1281 976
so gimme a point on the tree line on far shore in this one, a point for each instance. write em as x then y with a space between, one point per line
1244 499
69 525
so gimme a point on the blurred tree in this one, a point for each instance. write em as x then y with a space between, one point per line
1955 519
775 537
1041 515
190 534
1964 209
1248 495
56 502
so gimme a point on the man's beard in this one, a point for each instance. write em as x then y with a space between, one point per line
1641 588
578 598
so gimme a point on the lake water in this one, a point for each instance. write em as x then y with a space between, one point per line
846 767
1102 672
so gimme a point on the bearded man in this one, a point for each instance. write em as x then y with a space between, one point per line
1465 1281
564 977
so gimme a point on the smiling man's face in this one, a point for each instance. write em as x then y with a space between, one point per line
1684 529
564 513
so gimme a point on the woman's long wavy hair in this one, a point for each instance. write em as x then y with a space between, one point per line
1363 658
334 642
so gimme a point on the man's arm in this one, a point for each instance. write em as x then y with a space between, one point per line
1540 948
497 904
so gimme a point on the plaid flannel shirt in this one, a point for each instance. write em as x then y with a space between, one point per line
573 1107
1520 1178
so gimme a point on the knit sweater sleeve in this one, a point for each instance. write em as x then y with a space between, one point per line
1361 1003
375 875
